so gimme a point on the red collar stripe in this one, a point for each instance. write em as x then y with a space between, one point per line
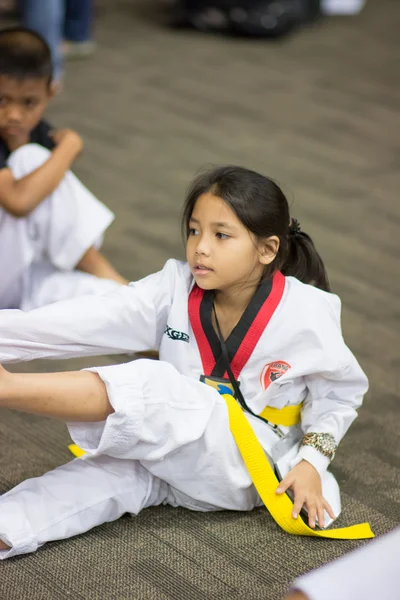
207 357
259 324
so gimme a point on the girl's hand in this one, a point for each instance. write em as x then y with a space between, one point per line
305 482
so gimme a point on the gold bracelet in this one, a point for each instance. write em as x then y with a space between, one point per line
323 442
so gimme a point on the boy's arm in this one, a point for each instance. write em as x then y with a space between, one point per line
22 196
95 263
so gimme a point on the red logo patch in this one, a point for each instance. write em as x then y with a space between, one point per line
272 372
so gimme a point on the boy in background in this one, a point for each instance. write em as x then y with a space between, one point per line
51 225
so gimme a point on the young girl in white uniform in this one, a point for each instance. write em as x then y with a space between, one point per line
239 313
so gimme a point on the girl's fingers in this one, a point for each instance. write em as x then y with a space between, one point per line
320 513
284 485
328 509
298 505
312 514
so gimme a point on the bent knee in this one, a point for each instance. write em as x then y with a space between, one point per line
27 158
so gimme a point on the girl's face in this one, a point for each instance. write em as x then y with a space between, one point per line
222 254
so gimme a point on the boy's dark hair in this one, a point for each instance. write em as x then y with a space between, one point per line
263 209
24 54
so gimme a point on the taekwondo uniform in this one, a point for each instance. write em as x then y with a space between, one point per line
39 252
168 440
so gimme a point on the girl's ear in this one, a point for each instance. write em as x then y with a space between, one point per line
268 249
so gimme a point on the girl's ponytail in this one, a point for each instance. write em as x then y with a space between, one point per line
262 207
302 259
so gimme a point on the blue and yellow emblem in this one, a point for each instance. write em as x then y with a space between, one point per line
223 386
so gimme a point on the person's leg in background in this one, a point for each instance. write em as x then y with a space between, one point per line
78 28
46 17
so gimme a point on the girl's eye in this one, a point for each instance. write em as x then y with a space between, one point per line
193 231
3 101
222 236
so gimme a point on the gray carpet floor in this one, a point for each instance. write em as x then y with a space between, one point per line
320 113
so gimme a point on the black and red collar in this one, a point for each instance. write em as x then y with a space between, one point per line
244 337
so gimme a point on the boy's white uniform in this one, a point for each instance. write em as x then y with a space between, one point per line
168 440
38 253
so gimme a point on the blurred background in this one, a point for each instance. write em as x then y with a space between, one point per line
162 90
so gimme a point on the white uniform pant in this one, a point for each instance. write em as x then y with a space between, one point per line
168 442
39 252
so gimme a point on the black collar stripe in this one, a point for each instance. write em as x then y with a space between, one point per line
239 332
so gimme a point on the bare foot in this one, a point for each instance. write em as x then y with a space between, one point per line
4 546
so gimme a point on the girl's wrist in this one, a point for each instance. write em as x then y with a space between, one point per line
313 457
325 443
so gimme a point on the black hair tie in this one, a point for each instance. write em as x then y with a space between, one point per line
294 227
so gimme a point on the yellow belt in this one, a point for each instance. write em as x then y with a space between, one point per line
287 416
76 451
265 481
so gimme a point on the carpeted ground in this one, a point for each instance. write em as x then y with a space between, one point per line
320 113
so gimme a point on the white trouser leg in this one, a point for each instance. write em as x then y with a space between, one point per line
68 222
177 427
73 499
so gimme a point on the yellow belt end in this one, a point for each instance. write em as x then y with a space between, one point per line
76 451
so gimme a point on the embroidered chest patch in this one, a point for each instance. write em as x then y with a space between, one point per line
173 334
273 371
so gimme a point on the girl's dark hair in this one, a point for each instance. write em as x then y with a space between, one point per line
263 209
24 54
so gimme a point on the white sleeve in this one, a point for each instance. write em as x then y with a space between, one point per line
335 392
130 319
369 573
